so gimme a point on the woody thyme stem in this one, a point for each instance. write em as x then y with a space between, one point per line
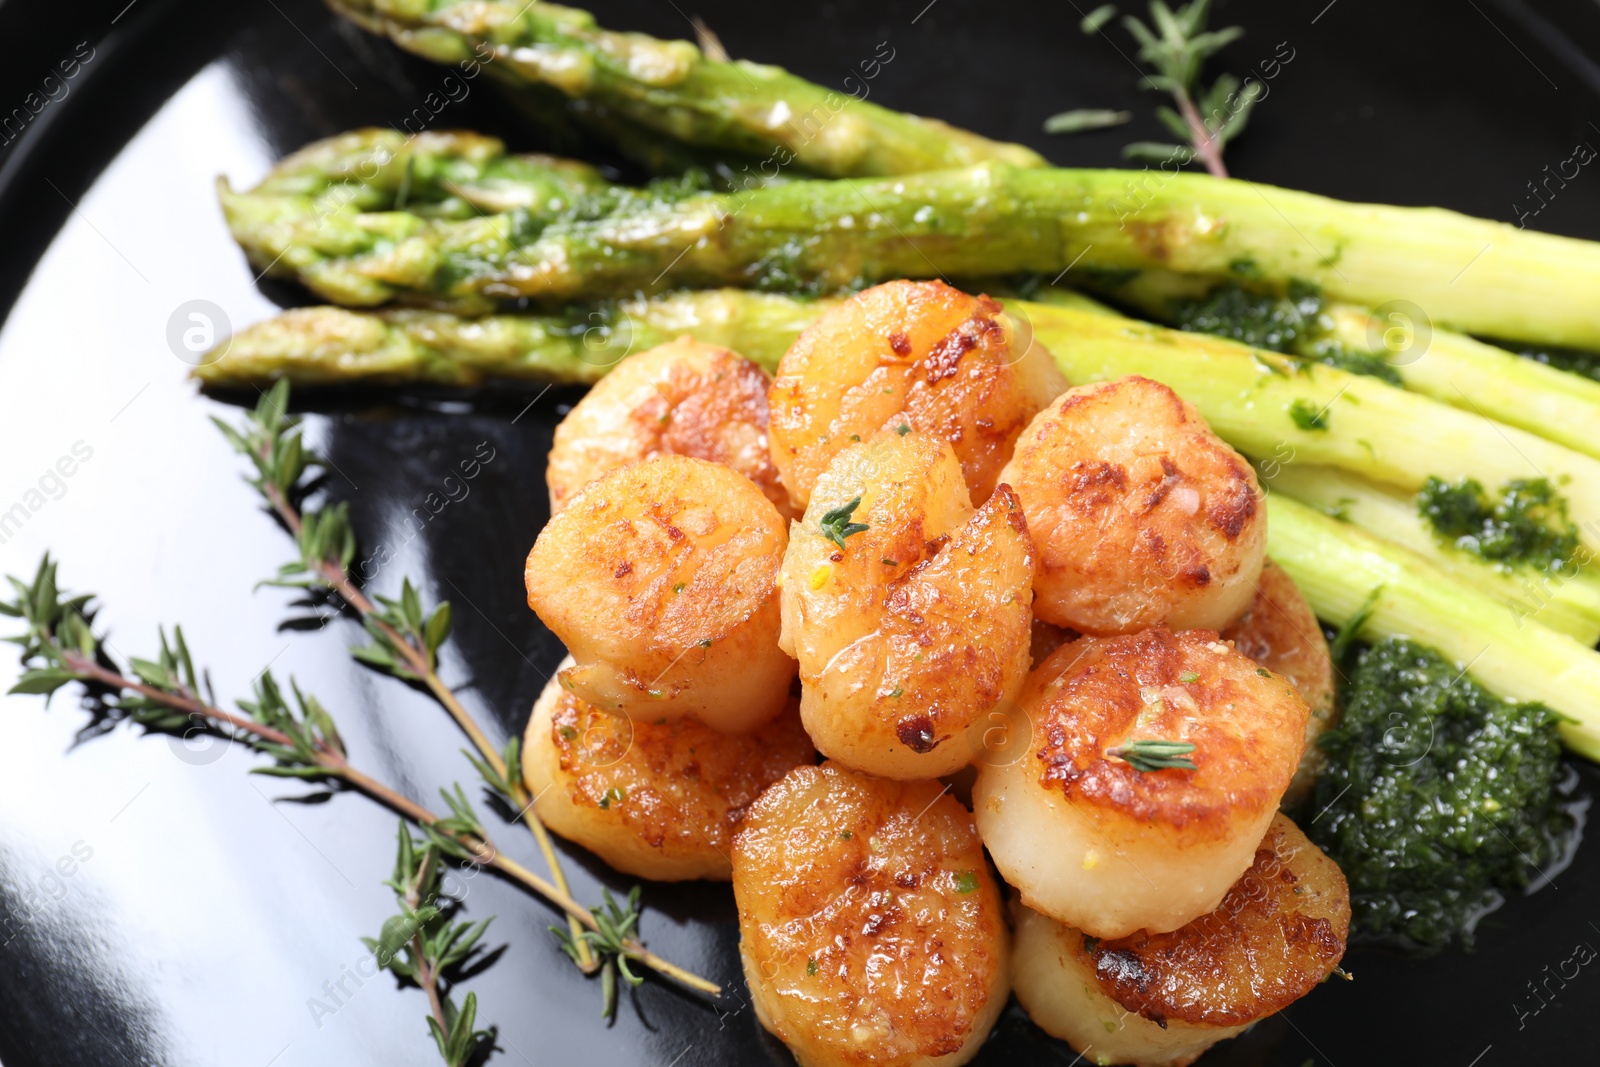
484 851
427 977
337 578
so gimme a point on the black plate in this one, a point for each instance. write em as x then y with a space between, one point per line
207 913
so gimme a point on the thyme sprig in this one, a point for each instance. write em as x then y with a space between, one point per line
424 944
609 940
1176 46
59 646
406 637
1155 755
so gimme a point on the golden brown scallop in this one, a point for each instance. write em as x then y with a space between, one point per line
915 628
945 363
661 578
1160 1000
1281 632
871 930
1141 516
1098 837
682 398
658 801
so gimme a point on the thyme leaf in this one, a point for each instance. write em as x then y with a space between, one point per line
1155 755
836 524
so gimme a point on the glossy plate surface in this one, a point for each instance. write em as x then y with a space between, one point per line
162 906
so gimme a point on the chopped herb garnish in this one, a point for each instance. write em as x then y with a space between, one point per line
1188 676
1155 755
967 882
614 795
811 967
845 835
836 524
902 429
1308 416
1263 672
678 588
887 562
897 691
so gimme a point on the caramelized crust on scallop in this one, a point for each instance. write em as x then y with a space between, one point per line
946 363
655 800
871 928
1140 514
1279 931
913 631
661 579
681 398
1281 632
1100 693
1094 837
1162 1000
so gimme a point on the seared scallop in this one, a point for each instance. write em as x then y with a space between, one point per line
1156 762
1281 632
1160 1000
919 353
658 801
661 578
907 609
682 398
1141 516
871 930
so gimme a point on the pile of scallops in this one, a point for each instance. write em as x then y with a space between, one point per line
1058 690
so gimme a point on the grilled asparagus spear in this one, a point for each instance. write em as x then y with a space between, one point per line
351 215
820 236
324 346
750 109
1399 344
1565 600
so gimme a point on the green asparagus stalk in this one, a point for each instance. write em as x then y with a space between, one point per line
450 175
347 214
750 109
995 219
1567 602
1347 574
1401 344
1467 373
326 346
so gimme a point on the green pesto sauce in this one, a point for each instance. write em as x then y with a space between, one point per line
1437 797
1526 527
1292 324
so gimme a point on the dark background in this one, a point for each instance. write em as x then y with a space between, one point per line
213 909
